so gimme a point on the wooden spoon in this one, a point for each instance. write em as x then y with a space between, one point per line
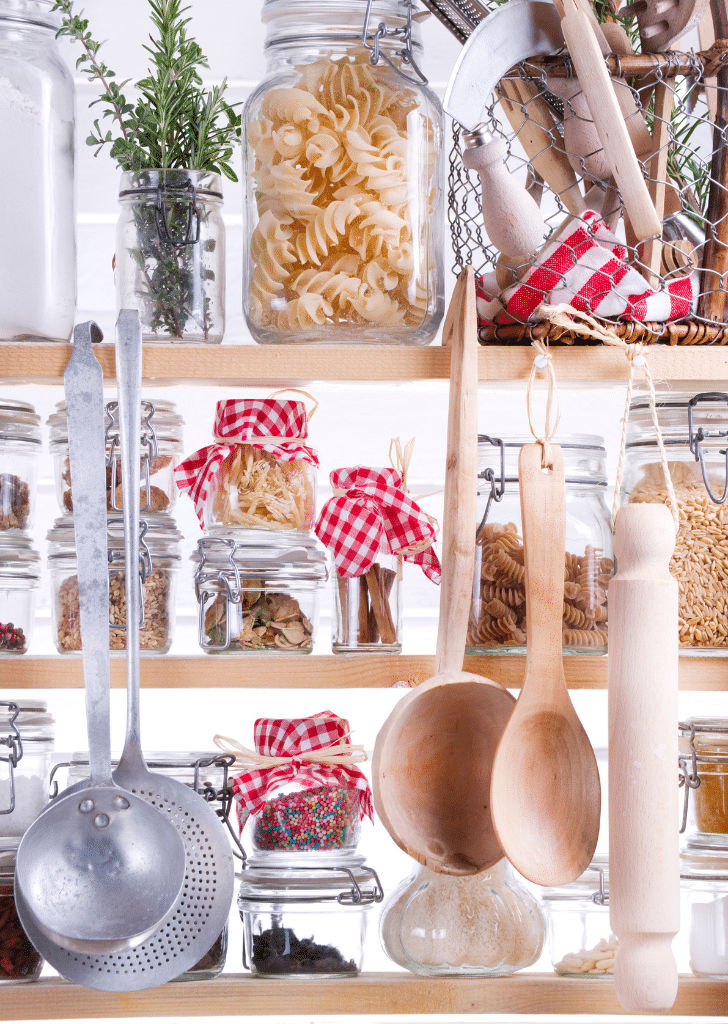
545 793
433 755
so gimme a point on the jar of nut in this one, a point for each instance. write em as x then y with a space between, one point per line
159 561
580 939
161 450
20 446
19 578
694 429
19 961
498 609
257 591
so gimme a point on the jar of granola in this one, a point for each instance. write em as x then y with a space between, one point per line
498 610
159 561
343 177
20 446
19 578
257 592
694 428
161 449
19 960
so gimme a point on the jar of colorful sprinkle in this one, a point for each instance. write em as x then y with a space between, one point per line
306 819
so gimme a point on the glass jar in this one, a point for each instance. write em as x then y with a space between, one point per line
486 924
170 254
27 737
700 421
161 447
367 613
19 961
37 114
704 891
317 821
577 916
20 446
498 610
159 561
302 922
703 757
19 578
257 592
343 177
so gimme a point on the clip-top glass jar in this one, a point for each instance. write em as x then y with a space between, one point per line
703 760
343 173
19 960
704 890
37 114
694 429
20 446
19 579
498 610
27 736
580 939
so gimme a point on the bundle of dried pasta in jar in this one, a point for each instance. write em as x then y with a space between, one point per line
343 179
370 525
259 474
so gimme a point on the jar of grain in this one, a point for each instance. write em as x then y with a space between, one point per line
19 960
20 446
258 592
703 759
343 175
580 939
161 450
159 561
498 610
19 578
694 429
476 925
27 736
704 911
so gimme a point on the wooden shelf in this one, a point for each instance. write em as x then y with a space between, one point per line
271 365
232 994
366 671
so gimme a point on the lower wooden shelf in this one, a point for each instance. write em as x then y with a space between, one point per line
238 995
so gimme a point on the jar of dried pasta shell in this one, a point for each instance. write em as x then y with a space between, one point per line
343 177
694 428
159 560
258 593
703 758
498 611
161 449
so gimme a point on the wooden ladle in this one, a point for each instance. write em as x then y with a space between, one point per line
545 793
433 755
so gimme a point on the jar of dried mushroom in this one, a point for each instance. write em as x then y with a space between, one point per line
343 175
704 904
161 450
695 431
158 564
20 446
580 939
498 610
27 737
703 757
19 579
259 474
19 960
475 925
258 593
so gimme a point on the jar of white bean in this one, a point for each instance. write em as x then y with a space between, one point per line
577 919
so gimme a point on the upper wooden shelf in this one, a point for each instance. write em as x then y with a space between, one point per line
275 365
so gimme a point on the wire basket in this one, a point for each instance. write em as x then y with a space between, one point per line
680 101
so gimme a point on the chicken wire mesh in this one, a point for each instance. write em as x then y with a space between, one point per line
671 287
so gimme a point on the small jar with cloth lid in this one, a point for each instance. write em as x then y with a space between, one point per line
260 474
27 737
20 446
19 961
369 526
19 579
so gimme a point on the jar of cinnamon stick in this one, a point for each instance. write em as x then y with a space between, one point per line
367 612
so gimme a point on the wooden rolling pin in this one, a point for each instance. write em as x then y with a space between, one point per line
644 862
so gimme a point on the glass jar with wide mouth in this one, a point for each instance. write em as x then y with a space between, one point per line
27 737
19 960
704 911
703 760
258 593
161 450
580 939
498 610
305 922
307 823
367 612
20 446
694 428
343 179
159 561
37 117
19 579
170 254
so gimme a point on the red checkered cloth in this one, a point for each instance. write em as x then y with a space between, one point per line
585 267
275 425
287 737
372 514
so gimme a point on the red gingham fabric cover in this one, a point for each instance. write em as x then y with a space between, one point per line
244 420
373 515
284 737
585 267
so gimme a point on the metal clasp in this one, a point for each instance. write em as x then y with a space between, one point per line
696 437
113 458
146 566
221 577
601 896
405 54
190 237
496 491
14 741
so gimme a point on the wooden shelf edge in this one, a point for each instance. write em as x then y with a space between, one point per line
231 995
369 671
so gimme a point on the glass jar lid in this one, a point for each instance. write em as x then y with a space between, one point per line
174 764
259 555
708 414
8 853
592 886
19 421
351 884
158 531
157 413
584 459
705 857
18 557
31 718
708 735
322 20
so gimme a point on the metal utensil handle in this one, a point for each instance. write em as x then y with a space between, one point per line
84 386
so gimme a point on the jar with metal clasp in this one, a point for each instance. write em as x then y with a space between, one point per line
27 737
19 961
580 939
704 911
703 762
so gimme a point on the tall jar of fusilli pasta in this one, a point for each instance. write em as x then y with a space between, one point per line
498 610
343 179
